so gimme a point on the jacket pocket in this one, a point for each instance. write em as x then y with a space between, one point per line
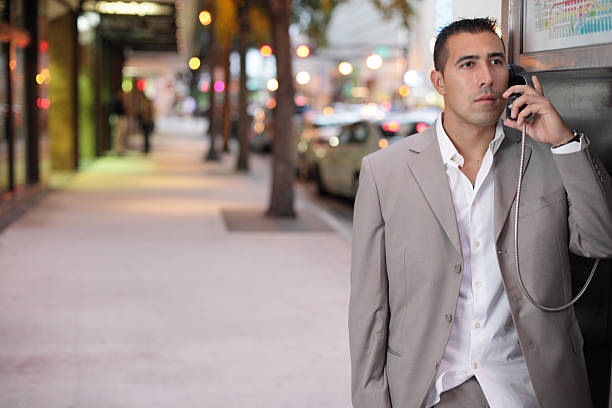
576 337
533 206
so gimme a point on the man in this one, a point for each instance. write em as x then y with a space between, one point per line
437 316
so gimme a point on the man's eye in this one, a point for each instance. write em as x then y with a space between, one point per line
497 61
467 64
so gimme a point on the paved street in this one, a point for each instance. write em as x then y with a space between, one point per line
125 289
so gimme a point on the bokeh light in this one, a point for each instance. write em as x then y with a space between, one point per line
194 63
272 85
303 51
127 85
374 62
219 86
302 78
205 17
266 50
345 68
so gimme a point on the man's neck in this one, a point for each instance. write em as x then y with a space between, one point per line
471 141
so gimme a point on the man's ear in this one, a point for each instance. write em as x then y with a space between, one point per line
437 80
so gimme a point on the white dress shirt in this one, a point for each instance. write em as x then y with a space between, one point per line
483 341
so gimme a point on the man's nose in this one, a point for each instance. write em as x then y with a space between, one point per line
486 77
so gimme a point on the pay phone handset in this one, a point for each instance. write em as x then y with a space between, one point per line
519 76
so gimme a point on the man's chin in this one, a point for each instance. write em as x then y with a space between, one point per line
489 118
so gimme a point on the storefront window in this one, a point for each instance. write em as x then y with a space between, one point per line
4 15
4 159
18 12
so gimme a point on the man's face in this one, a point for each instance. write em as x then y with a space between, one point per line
473 78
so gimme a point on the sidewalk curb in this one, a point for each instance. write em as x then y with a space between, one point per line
341 228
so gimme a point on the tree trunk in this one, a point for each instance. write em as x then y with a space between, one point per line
212 154
226 125
283 167
242 164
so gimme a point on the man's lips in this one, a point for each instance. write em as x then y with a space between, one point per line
486 98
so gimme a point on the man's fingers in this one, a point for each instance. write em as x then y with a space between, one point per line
532 108
537 86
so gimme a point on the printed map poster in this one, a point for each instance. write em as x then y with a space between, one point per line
555 24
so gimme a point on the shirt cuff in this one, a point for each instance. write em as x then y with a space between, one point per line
572 147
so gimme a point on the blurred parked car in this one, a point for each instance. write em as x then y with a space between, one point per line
316 133
337 165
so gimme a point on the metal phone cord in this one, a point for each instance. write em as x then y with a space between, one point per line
516 250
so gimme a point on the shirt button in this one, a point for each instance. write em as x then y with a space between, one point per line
478 284
474 366
458 268
474 203
477 326
476 244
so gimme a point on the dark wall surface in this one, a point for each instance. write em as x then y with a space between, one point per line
584 100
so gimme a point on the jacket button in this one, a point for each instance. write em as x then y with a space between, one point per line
458 268
449 317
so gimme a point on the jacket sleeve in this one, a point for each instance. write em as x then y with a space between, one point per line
369 306
589 192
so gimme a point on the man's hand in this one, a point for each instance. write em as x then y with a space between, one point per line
546 125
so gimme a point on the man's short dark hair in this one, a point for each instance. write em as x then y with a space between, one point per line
466 25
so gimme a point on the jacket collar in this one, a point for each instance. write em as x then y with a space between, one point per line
425 163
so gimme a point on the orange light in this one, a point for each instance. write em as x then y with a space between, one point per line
259 127
300 100
303 51
141 84
13 65
404 91
205 18
271 103
382 143
421 126
266 50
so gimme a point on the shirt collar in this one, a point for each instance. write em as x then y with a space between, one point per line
449 152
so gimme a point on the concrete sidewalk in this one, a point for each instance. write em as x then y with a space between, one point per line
125 289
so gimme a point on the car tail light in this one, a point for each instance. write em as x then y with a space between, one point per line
391 126
421 126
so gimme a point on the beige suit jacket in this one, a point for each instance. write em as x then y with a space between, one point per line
407 266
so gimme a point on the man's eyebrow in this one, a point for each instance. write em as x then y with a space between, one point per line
475 57
466 57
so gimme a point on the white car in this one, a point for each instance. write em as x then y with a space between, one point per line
339 161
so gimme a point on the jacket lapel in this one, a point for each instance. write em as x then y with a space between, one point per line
506 163
425 163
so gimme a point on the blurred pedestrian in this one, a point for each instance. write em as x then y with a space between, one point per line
146 119
120 120
437 316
